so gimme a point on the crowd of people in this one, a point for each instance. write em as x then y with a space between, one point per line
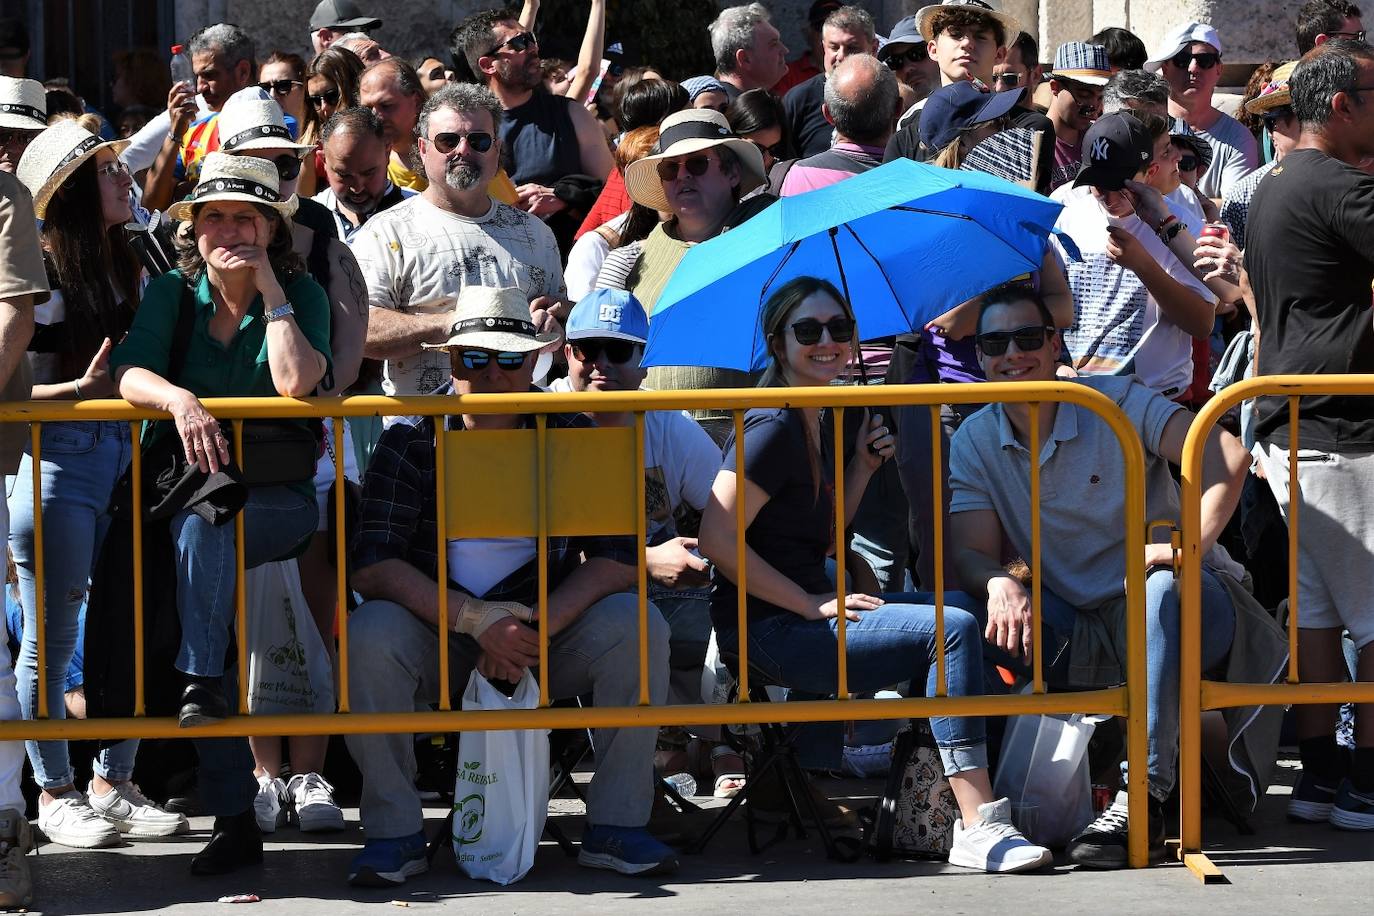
487 220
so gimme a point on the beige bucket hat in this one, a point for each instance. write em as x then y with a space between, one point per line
245 178
54 155
253 123
494 319
685 132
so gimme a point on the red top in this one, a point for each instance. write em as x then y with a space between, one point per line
798 71
612 202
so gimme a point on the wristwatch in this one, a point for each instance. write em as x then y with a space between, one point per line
277 314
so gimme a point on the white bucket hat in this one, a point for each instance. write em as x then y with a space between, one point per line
54 155
685 132
245 178
494 319
255 123
23 104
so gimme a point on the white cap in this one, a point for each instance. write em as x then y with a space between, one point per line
1179 38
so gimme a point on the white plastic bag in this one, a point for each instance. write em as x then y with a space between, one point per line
1044 764
502 794
288 665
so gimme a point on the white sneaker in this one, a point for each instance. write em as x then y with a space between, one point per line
994 845
16 885
71 821
316 810
271 804
131 812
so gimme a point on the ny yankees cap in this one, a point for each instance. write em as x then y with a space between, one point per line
1115 148
608 314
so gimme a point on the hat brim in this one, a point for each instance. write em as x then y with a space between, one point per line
645 187
181 210
1087 77
1104 179
19 122
1262 103
1010 24
497 341
56 179
269 143
359 25
602 334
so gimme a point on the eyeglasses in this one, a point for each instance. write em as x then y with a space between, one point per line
617 351
808 330
1205 60
775 150
1005 81
1358 36
516 43
478 359
898 59
479 141
280 87
1276 116
1187 162
1028 339
695 165
112 169
288 166
328 97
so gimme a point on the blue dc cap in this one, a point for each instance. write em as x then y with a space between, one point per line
608 313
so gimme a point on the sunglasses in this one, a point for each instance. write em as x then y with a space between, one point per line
1276 116
1187 162
896 60
1004 81
288 166
1358 36
112 169
775 150
808 330
1028 339
328 97
478 141
280 87
695 166
1205 60
516 43
617 351
478 359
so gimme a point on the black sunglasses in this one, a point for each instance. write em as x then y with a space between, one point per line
328 97
516 43
1358 36
1187 163
1276 116
695 165
776 150
479 141
1006 80
478 359
1205 60
288 166
1028 339
897 59
617 351
280 87
808 330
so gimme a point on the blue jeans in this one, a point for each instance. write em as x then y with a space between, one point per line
81 461
893 644
1162 627
276 520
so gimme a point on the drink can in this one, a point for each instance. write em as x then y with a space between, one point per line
1102 798
1218 230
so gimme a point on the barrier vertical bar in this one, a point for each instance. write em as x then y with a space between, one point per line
937 464
1037 666
341 563
240 585
642 563
1293 540
39 562
841 544
542 546
1190 658
441 554
136 478
741 586
1137 783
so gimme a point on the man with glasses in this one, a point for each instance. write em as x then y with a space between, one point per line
1082 513
1080 71
1321 20
23 115
591 613
420 254
1274 106
906 53
1021 69
1189 58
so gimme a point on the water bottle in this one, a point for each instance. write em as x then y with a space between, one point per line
182 71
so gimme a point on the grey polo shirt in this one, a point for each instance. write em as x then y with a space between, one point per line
1082 496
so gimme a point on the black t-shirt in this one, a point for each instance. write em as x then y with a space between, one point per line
793 532
810 130
1309 251
906 143
539 141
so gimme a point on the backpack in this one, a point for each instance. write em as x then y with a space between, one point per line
915 817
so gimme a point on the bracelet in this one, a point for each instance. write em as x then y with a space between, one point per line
77 384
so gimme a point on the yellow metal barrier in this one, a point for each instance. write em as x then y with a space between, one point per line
1199 695
555 464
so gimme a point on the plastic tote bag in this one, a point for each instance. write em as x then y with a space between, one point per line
1043 770
288 665
502 792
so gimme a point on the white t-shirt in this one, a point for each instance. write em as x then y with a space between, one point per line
1118 327
680 463
586 257
1184 203
416 258
1235 154
477 564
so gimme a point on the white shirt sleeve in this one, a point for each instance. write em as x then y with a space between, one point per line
144 145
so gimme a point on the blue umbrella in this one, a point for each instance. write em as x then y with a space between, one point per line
905 242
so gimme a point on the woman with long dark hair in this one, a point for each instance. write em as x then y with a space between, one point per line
331 84
81 192
785 496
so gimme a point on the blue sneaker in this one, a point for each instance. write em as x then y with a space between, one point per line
628 850
1352 810
387 863
1311 802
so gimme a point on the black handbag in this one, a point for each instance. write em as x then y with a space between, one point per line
276 451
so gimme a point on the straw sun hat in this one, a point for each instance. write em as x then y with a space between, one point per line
494 319
1275 93
685 132
249 123
54 155
23 104
245 178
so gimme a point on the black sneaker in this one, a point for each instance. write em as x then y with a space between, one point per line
1312 800
1102 844
1352 810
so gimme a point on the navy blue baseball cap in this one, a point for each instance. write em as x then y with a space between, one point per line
608 314
958 106
1115 148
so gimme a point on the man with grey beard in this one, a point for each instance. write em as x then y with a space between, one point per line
418 255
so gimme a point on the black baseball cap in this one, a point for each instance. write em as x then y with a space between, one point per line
1115 148
344 15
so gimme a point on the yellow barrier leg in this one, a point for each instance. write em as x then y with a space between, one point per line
39 579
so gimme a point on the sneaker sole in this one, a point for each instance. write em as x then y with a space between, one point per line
370 878
1351 820
611 863
331 823
1309 812
1044 861
197 719
99 841
270 825
147 831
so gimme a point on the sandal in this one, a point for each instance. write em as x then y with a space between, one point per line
730 782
